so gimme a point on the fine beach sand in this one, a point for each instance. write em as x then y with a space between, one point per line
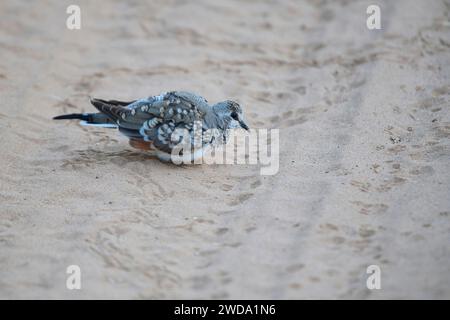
364 151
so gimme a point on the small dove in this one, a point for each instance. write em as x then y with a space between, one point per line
162 122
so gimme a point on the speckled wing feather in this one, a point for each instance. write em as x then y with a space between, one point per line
155 118
177 110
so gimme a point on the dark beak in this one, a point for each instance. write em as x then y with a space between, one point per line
244 125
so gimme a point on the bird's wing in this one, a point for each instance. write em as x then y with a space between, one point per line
156 118
173 110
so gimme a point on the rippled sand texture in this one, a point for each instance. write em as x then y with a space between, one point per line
364 158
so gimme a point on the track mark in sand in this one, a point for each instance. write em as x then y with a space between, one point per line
294 268
7 235
441 131
222 231
290 118
301 90
92 157
370 208
121 257
226 187
366 231
356 238
28 137
376 168
327 227
333 234
391 183
240 199
256 183
147 187
244 184
362 186
440 91
88 83
396 149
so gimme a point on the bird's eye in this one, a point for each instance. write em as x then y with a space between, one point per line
234 115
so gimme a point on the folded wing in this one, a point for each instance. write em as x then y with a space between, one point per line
154 119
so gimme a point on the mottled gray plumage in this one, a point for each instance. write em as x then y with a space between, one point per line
155 119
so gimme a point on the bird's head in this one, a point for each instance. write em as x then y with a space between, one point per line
230 115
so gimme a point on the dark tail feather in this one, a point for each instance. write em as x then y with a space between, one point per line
81 116
89 118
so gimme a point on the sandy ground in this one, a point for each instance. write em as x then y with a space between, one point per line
364 151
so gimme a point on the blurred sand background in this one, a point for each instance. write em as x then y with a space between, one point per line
364 151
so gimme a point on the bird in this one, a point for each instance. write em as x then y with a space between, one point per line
162 122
